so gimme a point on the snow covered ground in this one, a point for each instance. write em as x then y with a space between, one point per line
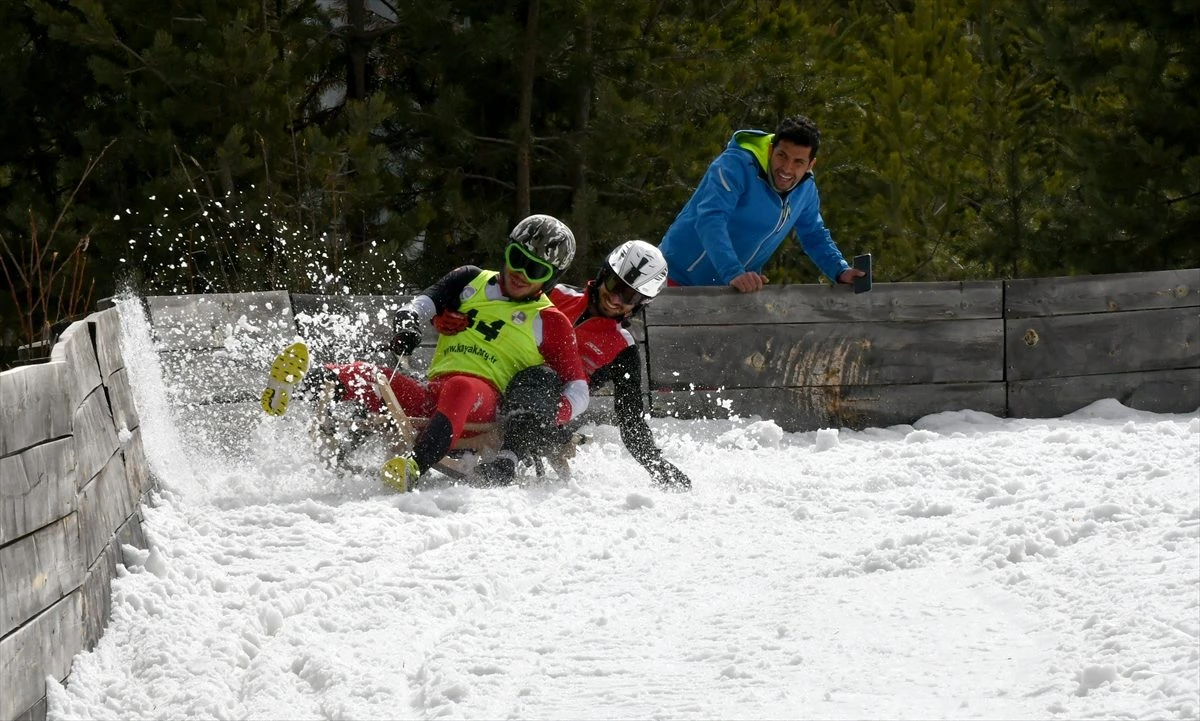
964 567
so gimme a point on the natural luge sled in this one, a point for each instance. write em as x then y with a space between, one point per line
336 436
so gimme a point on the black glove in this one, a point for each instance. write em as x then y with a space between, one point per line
407 333
667 477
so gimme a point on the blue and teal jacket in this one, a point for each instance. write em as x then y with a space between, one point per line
736 219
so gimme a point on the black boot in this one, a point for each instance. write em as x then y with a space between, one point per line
501 471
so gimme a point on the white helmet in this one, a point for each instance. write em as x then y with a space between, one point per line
639 265
546 237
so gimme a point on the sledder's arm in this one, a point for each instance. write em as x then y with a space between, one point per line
625 371
440 298
561 352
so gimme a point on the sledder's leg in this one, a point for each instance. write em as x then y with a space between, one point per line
530 406
287 370
459 399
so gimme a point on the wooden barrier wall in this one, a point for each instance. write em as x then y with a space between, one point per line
807 357
72 476
810 357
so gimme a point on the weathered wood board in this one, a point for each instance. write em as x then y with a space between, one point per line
108 341
825 354
76 349
95 437
887 302
39 569
209 426
97 584
1167 391
137 471
34 406
104 506
341 329
120 396
42 647
812 408
215 375
237 322
36 712
1069 345
38 487
1035 297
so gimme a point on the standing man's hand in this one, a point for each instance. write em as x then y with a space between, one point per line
847 276
749 282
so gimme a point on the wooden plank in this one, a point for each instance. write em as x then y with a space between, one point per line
825 354
209 426
36 712
34 406
38 487
137 472
43 647
1036 297
215 376
97 585
39 569
218 376
234 321
858 407
341 329
1172 391
315 305
75 348
107 324
95 437
120 397
96 592
104 505
827 304
1072 345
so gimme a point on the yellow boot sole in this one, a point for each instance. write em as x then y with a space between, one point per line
287 370
399 473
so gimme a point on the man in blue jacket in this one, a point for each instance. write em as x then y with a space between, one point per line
756 192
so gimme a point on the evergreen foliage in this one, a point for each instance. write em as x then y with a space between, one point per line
343 144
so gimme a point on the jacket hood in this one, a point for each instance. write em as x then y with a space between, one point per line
757 143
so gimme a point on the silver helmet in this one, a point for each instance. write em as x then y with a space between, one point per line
546 237
640 265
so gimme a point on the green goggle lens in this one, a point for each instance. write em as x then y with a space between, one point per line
519 259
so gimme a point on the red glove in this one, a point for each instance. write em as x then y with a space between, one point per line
449 322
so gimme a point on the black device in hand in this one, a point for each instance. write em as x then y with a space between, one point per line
407 333
862 283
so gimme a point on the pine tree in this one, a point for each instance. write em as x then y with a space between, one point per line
904 197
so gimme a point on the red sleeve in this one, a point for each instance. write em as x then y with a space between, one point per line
558 346
562 354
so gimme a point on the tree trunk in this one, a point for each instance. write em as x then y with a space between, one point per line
356 71
584 83
524 140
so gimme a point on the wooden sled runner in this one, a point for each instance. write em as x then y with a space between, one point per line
480 442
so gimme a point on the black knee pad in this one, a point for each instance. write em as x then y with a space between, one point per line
534 390
530 405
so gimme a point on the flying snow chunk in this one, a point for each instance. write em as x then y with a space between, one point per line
635 501
921 437
760 434
827 438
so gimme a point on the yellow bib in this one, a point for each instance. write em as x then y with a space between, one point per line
499 341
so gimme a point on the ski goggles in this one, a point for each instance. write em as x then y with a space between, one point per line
533 268
623 292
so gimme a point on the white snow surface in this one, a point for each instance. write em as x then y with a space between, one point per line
966 566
